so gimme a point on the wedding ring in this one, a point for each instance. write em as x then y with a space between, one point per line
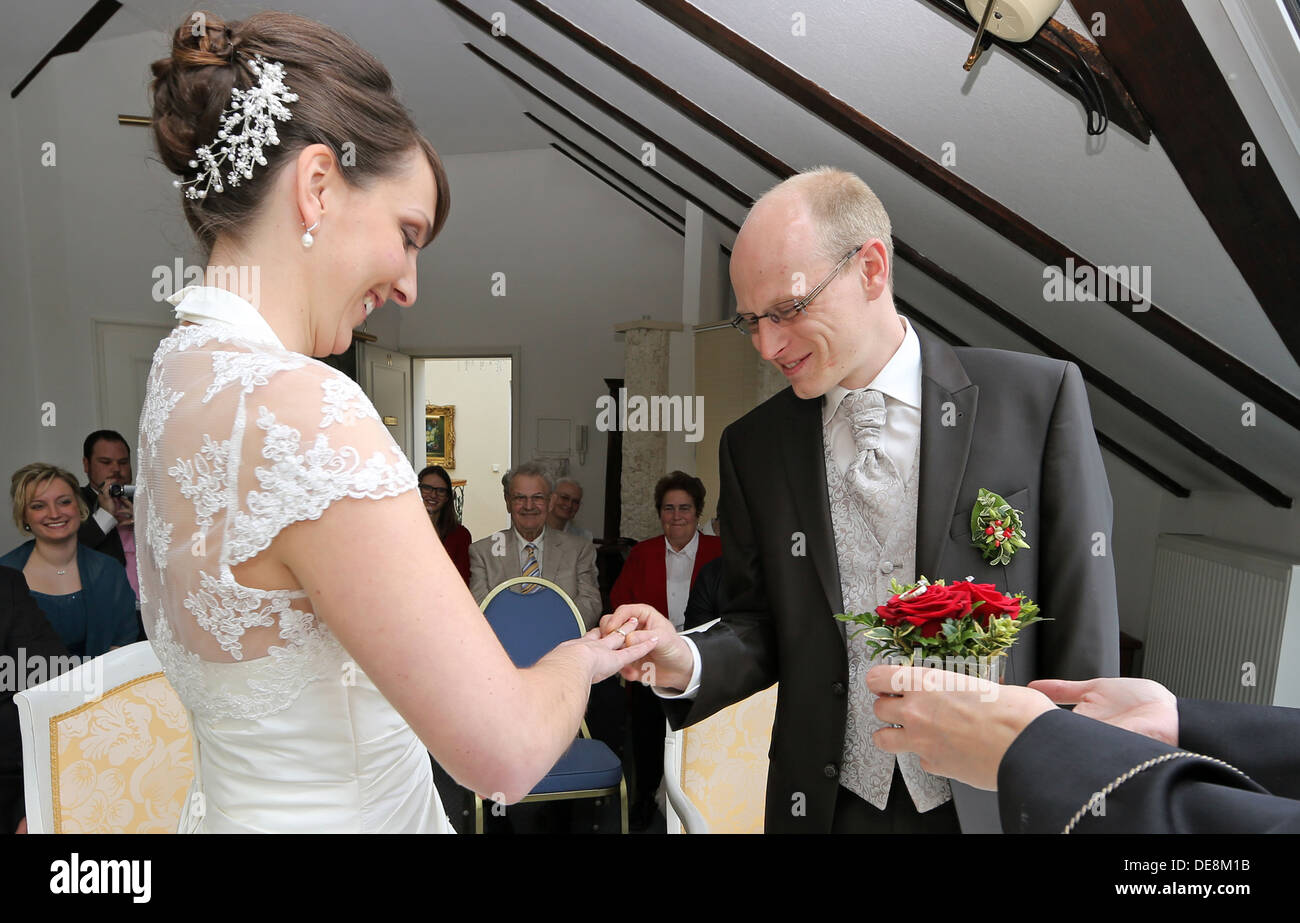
621 631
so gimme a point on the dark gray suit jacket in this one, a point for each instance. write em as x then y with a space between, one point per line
1016 424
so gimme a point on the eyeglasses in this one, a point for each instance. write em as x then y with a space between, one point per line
783 313
434 491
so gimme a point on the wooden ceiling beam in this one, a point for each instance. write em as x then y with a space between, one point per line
1157 48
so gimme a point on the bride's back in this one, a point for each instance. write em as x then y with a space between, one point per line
239 439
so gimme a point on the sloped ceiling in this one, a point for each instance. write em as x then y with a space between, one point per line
1007 132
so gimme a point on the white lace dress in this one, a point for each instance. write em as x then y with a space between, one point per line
239 438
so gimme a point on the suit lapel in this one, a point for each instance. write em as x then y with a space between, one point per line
948 403
805 465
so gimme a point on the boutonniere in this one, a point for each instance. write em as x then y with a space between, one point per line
995 528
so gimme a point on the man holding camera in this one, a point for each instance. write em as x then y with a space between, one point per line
110 528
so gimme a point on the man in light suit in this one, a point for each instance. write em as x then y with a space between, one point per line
530 548
864 470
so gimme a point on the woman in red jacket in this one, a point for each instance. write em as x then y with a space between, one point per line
659 572
435 491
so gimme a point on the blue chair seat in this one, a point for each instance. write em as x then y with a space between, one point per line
586 765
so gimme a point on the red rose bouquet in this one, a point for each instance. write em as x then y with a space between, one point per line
937 621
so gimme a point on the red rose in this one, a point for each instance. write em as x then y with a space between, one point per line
995 603
927 610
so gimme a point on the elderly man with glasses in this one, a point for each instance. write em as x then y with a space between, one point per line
866 470
529 548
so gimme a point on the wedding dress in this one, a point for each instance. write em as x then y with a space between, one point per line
239 438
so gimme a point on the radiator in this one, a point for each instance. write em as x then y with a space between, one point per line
1225 622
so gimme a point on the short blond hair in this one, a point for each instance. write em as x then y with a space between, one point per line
31 477
844 210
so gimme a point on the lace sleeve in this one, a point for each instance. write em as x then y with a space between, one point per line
313 437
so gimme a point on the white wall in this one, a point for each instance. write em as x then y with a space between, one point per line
480 391
82 236
577 259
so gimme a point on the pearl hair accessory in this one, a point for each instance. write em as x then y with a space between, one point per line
247 125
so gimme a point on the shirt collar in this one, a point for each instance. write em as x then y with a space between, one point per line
206 304
899 379
523 541
688 549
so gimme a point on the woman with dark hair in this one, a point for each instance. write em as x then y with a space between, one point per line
84 594
660 572
436 492
284 545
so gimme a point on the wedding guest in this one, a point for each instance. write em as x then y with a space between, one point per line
84 594
26 636
110 527
565 501
528 547
1050 767
436 492
659 572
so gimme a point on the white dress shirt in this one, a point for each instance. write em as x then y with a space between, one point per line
900 382
679 565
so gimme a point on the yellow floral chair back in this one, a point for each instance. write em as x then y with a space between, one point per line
723 765
122 763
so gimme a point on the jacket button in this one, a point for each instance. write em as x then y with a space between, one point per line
829 770
886 567
837 687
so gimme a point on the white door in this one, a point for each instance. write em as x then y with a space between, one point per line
123 355
385 376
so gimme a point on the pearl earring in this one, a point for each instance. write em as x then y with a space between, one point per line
307 239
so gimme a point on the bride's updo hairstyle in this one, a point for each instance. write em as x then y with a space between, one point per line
345 97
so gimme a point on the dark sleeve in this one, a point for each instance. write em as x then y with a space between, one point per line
24 632
1076 583
457 546
702 605
90 534
1263 741
1057 765
738 655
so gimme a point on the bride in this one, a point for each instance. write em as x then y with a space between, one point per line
301 605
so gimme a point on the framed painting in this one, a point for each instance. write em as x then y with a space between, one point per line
440 436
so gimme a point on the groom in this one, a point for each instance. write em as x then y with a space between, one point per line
866 469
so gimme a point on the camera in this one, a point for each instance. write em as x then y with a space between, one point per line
126 491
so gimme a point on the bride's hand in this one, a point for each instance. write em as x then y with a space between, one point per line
608 656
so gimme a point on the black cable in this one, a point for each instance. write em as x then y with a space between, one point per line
1094 102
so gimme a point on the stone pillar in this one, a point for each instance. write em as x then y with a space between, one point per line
645 374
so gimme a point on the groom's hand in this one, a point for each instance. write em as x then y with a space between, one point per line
671 662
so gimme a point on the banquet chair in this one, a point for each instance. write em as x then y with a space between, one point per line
529 625
715 771
106 747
